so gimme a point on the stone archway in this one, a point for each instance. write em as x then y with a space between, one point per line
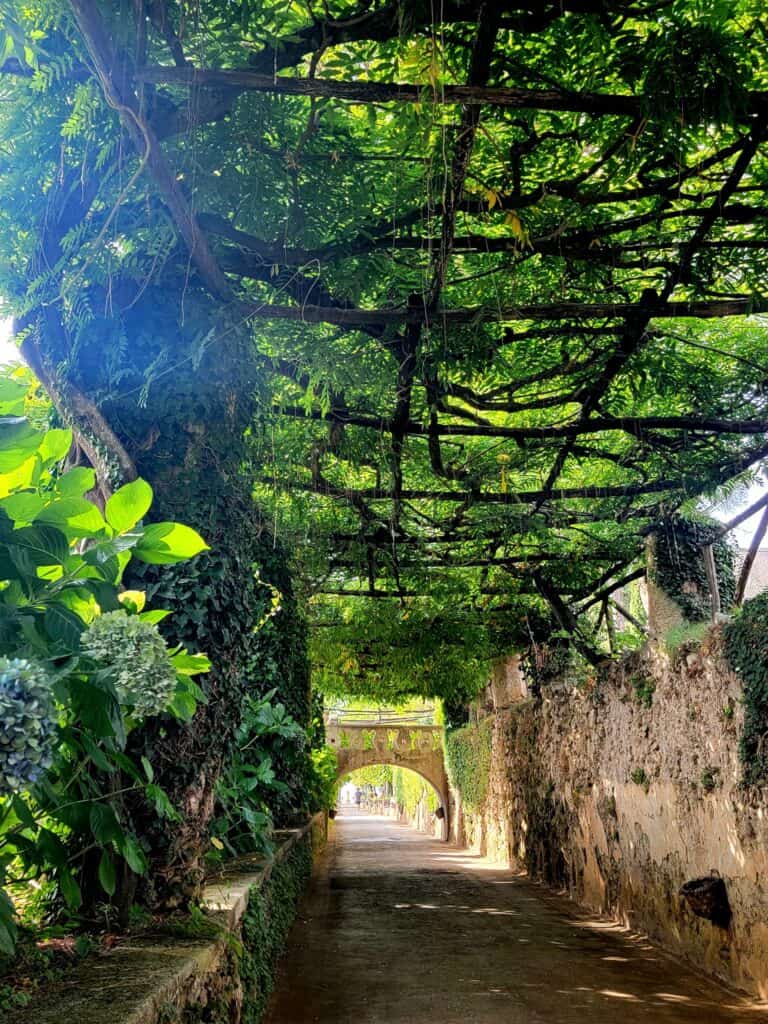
417 747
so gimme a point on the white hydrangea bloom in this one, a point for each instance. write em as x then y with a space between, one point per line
137 656
27 724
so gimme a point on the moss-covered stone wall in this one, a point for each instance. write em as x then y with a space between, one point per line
620 793
216 971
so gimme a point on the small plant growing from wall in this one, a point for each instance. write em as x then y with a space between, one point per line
644 688
640 777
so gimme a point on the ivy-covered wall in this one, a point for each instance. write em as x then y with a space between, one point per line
468 762
213 969
622 790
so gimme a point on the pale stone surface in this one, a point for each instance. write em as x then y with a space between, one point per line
140 979
400 929
417 747
620 804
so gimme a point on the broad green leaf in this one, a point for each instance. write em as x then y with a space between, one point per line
23 507
26 474
7 937
190 664
155 616
55 446
148 770
44 545
167 543
134 855
70 890
22 811
76 517
63 627
76 482
13 395
104 825
18 440
129 505
107 878
162 803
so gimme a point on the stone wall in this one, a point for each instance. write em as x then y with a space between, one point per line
621 791
219 970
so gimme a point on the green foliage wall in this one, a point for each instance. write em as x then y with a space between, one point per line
468 761
410 789
746 646
679 569
270 914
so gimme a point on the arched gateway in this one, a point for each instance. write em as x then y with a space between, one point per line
418 747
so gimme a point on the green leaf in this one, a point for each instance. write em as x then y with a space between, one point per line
76 482
134 855
129 505
70 890
162 804
104 825
107 879
23 812
155 616
13 395
76 517
148 770
55 446
18 440
7 937
190 664
23 507
63 627
45 545
167 543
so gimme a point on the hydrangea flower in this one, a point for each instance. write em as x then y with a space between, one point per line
136 654
27 724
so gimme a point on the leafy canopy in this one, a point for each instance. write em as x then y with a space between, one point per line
503 274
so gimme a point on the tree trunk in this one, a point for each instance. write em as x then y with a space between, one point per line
184 430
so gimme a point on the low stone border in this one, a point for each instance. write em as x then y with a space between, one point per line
168 979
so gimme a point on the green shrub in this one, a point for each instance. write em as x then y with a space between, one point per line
746 648
468 761
67 706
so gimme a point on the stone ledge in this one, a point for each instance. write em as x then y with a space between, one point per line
134 982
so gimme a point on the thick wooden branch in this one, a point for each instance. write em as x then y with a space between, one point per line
145 141
696 309
509 97
637 426
725 471
746 514
605 592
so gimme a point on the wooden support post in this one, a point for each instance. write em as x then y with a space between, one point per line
710 568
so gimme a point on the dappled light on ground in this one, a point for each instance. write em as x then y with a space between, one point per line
400 929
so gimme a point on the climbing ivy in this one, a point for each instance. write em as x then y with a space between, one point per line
746 647
468 761
679 565
267 921
410 789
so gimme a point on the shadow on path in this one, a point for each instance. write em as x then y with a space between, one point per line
398 928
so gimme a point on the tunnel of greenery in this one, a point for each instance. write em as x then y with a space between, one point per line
398 334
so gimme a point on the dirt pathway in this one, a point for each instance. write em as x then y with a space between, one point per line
401 929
